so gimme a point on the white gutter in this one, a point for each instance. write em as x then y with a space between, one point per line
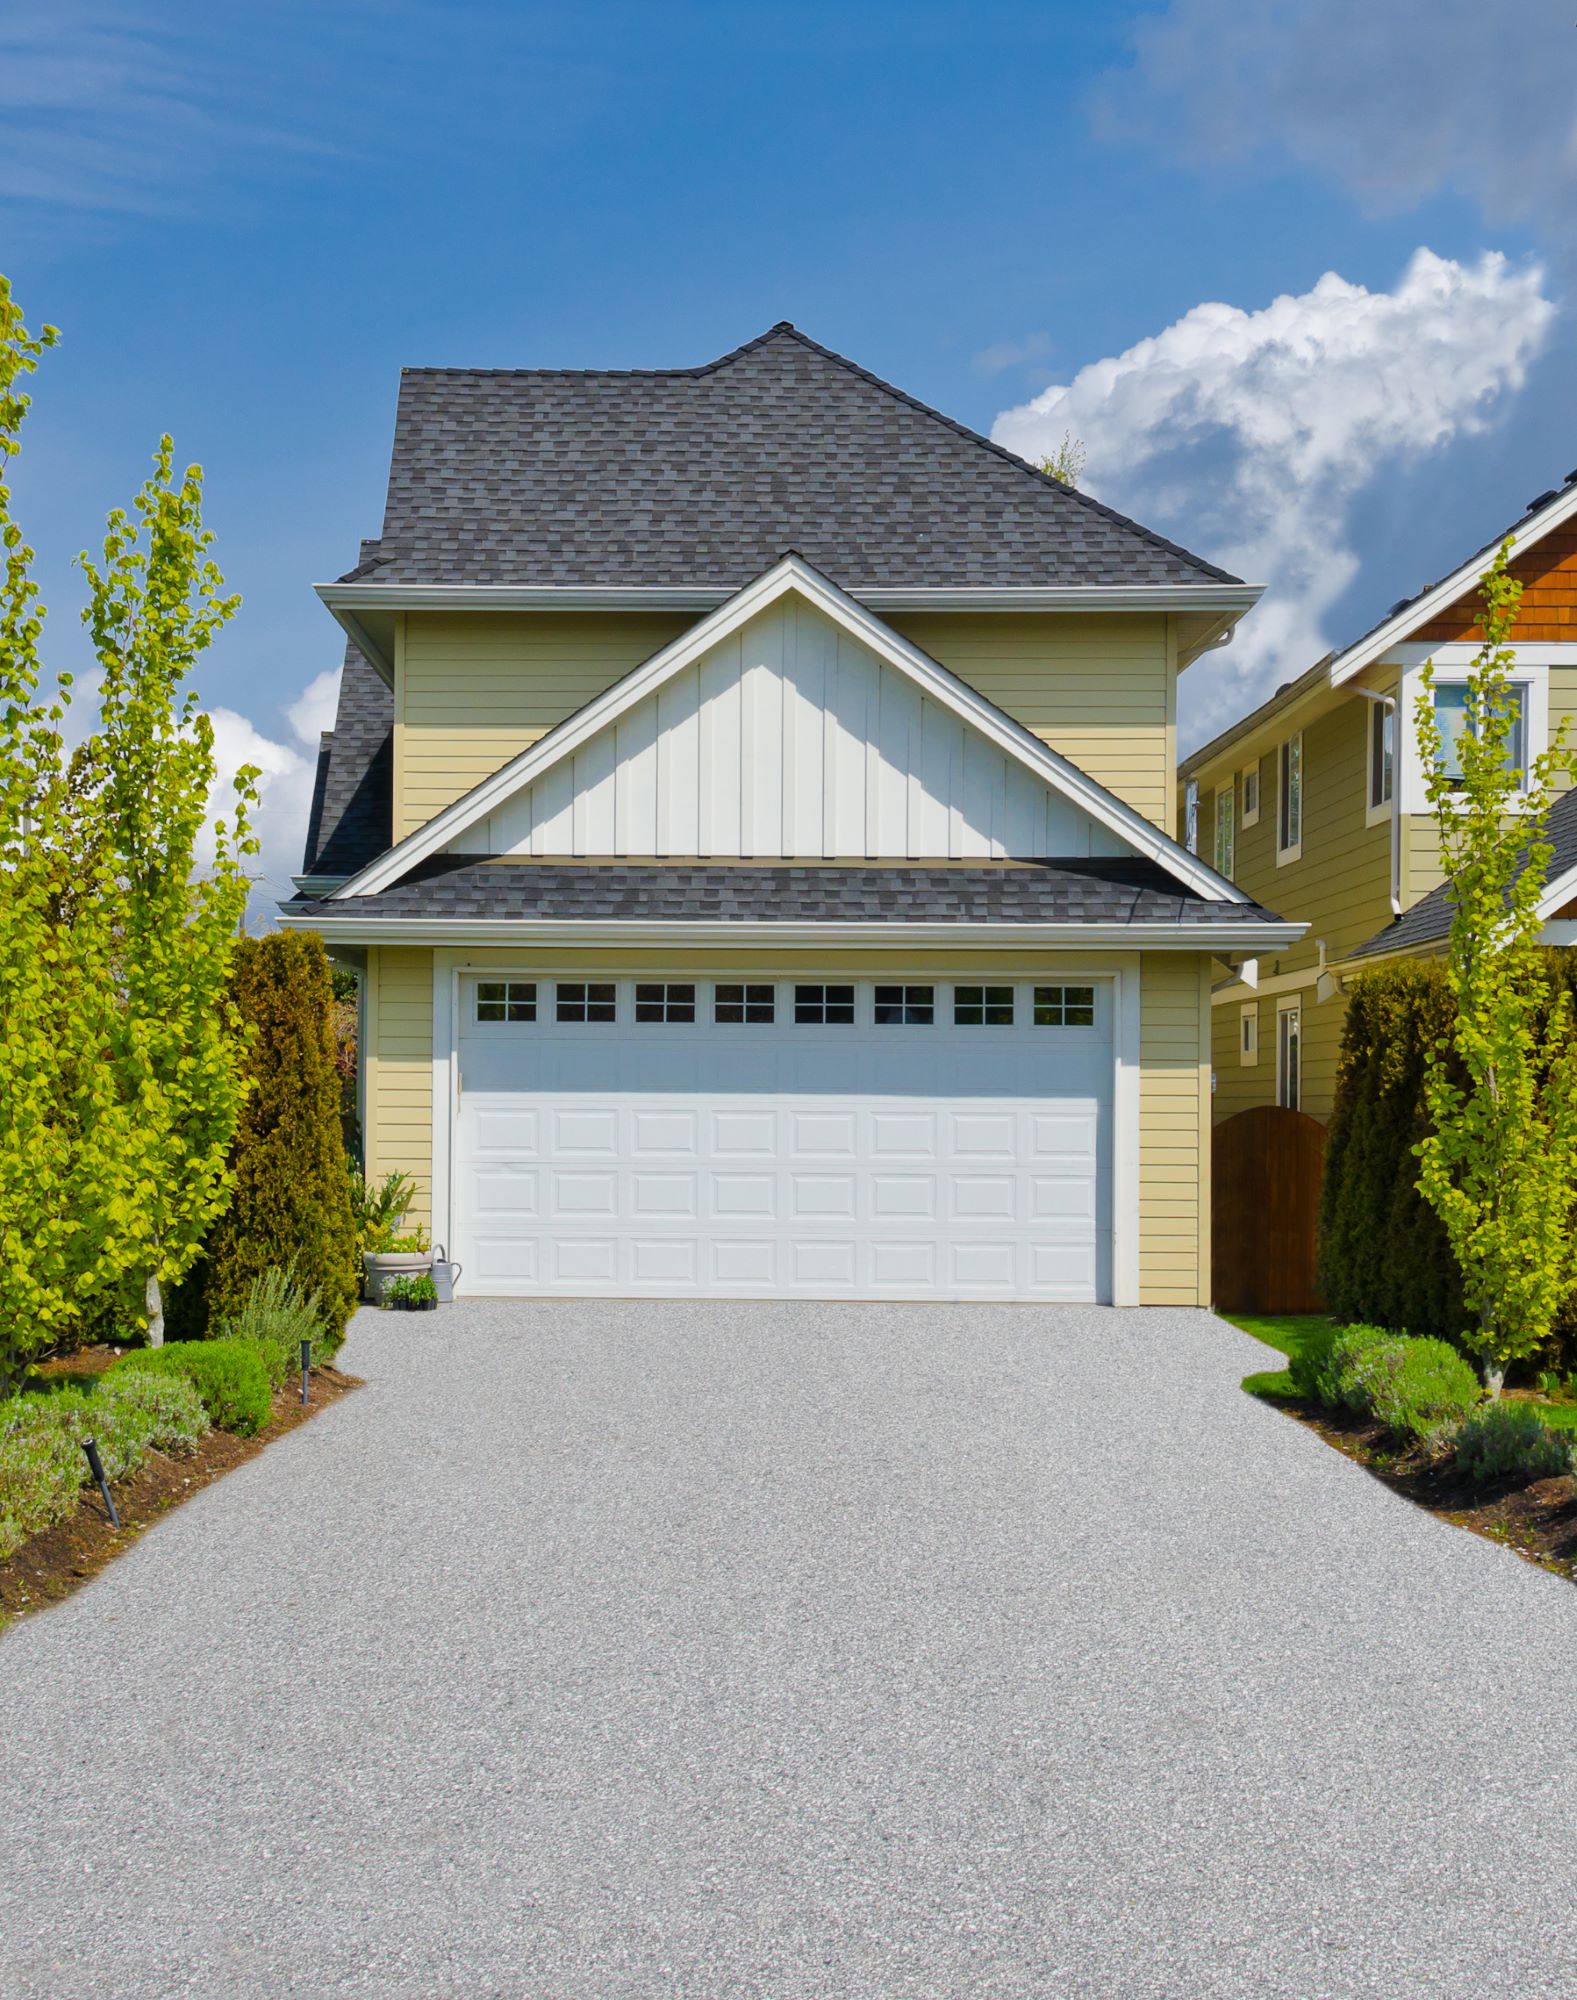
346 599
1214 938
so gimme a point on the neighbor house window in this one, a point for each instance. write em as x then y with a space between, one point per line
1064 1006
1289 804
1226 842
506 1000
1289 1054
982 1006
1251 796
824 1006
664 1003
905 1006
1382 753
1248 1034
739 1006
1454 721
582 1000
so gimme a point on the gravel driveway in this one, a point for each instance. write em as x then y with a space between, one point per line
812 1652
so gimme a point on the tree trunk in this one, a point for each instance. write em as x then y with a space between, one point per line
1494 1380
153 1299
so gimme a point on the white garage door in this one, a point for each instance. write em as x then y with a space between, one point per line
870 1139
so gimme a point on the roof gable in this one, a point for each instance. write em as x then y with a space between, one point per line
853 738
702 476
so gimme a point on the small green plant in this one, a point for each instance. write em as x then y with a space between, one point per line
1423 1389
228 1375
41 1470
1510 1441
405 1292
379 1210
1549 1383
410 1242
278 1314
1344 1368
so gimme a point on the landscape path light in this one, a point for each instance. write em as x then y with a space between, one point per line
96 1467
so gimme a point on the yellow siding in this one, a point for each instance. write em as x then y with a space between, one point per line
1341 886
399 1082
1174 1081
475 689
1174 1131
1239 1087
1099 687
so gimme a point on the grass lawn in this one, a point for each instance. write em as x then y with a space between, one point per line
1287 1334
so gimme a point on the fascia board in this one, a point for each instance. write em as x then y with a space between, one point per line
347 598
1233 937
792 574
1445 593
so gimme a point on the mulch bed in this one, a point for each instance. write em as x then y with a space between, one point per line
50 1565
1538 1522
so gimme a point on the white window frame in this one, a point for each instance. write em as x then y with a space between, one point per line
1452 665
1249 778
1376 811
1289 850
1224 852
1248 1035
1290 1008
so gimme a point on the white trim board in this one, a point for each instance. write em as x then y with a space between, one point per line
348 598
1234 938
793 574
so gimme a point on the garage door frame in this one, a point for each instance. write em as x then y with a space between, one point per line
450 967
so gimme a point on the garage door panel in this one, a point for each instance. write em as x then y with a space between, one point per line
785 1159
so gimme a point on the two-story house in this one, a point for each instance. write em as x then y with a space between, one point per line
1316 803
749 804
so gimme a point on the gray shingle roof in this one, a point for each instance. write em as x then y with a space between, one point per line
1033 892
1428 921
352 817
705 476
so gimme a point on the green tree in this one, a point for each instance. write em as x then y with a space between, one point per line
1499 1165
1067 461
290 1205
155 602
59 1116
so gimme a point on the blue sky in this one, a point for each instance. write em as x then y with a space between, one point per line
246 221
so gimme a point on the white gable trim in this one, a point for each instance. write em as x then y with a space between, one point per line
1444 594
794 574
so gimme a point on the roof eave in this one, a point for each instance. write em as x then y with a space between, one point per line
348 600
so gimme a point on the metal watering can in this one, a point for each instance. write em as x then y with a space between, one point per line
444 1276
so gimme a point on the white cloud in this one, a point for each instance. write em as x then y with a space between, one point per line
1249 436
1395 103
314 709
1005 354
284 785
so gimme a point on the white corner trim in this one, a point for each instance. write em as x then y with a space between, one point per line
1126 1022
1385 637
446 981
791 574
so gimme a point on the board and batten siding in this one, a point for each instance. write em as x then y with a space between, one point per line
399 1071
1174 1079
789 739
474 689
1099 687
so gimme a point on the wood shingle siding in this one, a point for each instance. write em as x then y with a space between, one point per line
1548 574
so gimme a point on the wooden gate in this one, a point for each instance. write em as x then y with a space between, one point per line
1264 1202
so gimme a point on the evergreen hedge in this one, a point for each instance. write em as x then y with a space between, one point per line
1383 1256
291 1205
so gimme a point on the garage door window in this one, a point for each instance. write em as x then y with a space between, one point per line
506 1000
741 1006
664 1003
1064 1006
983 1006
905 1006
580 1000
824 1006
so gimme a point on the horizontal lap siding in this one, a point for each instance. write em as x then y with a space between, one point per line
476 689
400 1071
1096 687
1174 1131
1240 1087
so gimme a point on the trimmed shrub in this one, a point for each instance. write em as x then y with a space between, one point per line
1510 1441
1344 1368
1424 1389
163 1412
277 1315
291 1203
41 1469
228 1375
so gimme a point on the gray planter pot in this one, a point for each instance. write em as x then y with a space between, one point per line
379 1266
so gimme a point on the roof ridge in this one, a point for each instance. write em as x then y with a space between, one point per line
691 373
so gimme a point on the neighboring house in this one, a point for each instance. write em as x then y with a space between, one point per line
749 802
1315 803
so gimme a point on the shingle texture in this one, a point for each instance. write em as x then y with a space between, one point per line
705 476
1429 919
1049 892
352 816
